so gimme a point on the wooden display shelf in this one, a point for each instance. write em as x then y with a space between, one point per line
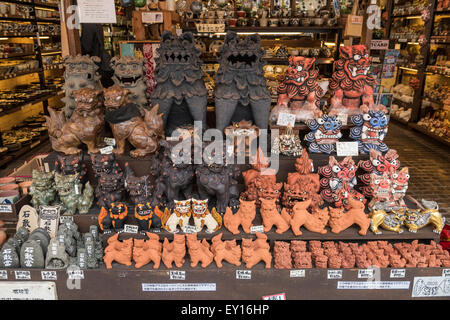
15 154
32 102
16 55
309 29
425 131
19 74
46 5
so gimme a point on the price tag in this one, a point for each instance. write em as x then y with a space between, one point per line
243 274
130 228
398 273
22 275
402 40
3 275
365 273
179 31
6 208
65 219
379 44
75 274
256 229
77 189
345 149
46 168
334 274
286 119
106 150
446 272
189 229
110 141
278 296
343 118
210 27
297 273
49 275
177 275
156 230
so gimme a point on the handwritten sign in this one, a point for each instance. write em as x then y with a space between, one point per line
431 287
110 141
98 11
345 149
22 275
210 27
297 273
334 274
177 275
131 229
243 274
189 229
365 273
6 208
3 275
38 290
286 119
255 229
106 150
398 273
49 275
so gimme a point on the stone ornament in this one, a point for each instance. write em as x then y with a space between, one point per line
204 218
42 190
127 124
300 216
254 251
9 257
113 217
119 251
240 85
146 251
282 255
42 237
73 196
199 251
28 218
243 217
229 251
31 255
179 217
340 220
57 257
271 216
174 252
84 127
49 219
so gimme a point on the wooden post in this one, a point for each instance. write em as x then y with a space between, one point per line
69 35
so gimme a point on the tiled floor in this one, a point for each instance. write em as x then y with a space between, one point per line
428 162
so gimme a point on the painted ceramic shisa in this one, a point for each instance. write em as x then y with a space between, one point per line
84 127
147 218
146 251
127 124
325 132
179 79
254 251
80 72
299 92
340 220
113 217
351 84
129 74
71 164
175 251
300 216
199 251
72 195
243 217
288 143
140 189
240 86
118 251
178 217
370 128
272 217
204 218
389 189
392 220
228 250
416 219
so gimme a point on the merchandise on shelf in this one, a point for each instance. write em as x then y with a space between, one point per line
71 165
417 219
110 188
340 220
244 134
42 190
182 211
325 133
229 251
300 216
146 251
253 251
272 217
118 251
288 143
140 189
175 251
391 220
113 217
243 217
72 195
204 218
104 163
146 217
199 251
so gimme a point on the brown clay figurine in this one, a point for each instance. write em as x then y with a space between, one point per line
315 222
174 251
199 251
340 221
119 251
85 125
244 217
256 251
225 250
145 251
271 216
127 124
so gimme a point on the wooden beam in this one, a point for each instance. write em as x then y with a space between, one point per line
69 35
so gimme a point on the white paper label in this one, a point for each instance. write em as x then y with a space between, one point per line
109 141
46 168
278 296
130 228
151 287
6 208
77 189
398 273
49 275
179 31
210 27
12 290
286 119
106 150
189 229
297 273
343 118
370 285
64 219
3 275
255 229
98 11
446 272
243 274
75 274
22 275
334 274
345 149
152 17
379 45
431 287
177 275
365 273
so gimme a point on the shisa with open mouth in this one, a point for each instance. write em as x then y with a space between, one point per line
325 133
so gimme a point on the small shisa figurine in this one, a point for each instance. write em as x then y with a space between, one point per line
325 133
113 216
243 217
146 217
417 219
204 218
389 220
229 251
71 164
244 134
146 251
255 251
300 216
179 217
119 251
199 251
272 217
42 189
74 198
282 255
340 220
174 252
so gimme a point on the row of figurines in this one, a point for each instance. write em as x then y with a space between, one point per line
36 249
176 76
382 180
253 251
114 217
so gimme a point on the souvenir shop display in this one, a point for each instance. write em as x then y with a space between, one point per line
229 251
199 251
146 251
74 197
254 251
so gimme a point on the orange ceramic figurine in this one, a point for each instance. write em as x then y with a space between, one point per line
315 222
174 251
199 251
119 251
244 217
271 216
225 250
255 251
145 251
340 221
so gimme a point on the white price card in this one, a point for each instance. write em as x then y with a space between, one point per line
49 275
334 274
177 275
106 150
343 118
278 296
65 219
130 228
189 229
3 275
446 272
210 27
152 287
431 287
6 208
243 274
46 168
98 11
75 274
255 229
345 149
297 273
77 189
365 273
286 119
39 290
398 273
370 285
22 275
109 141
151 17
